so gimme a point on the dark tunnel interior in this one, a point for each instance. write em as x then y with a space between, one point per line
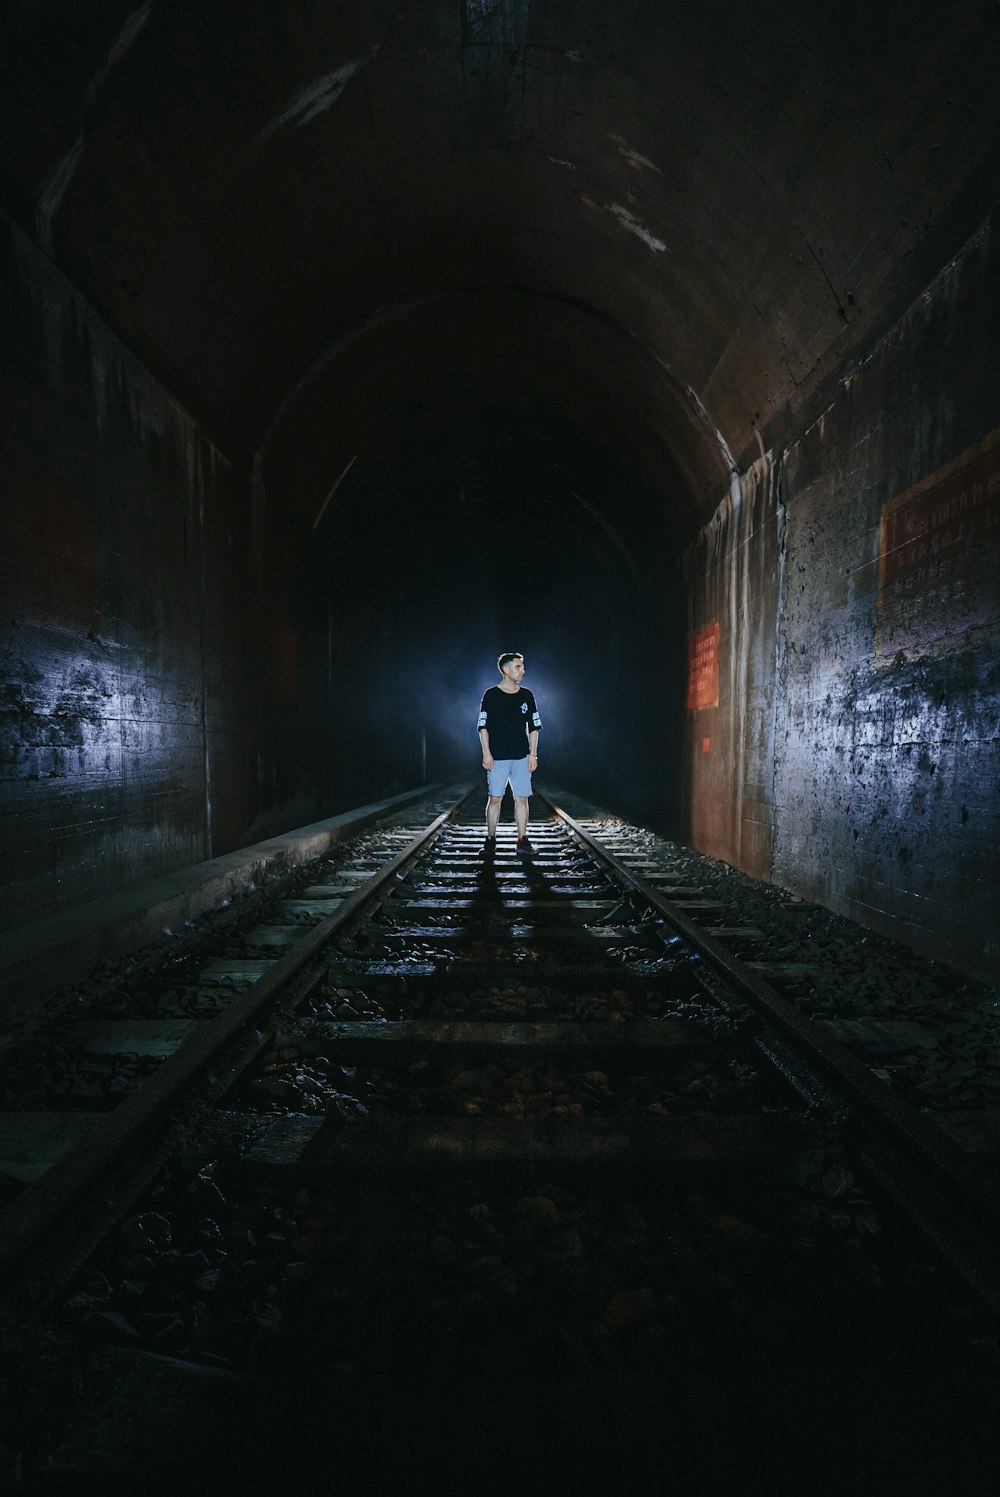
489 505
344 348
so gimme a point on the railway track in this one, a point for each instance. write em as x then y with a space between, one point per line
435 1071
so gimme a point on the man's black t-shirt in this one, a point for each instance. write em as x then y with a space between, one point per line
508 717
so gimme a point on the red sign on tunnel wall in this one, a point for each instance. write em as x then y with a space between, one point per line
939 556
703 668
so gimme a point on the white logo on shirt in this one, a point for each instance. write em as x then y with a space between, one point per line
524 707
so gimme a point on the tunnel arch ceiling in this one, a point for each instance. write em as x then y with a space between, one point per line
484 394
748 196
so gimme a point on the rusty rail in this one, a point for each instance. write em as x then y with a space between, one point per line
135 1120
948 1195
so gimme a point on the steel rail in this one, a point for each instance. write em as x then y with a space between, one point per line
965 1228
79 1172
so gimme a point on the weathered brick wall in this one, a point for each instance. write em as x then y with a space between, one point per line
884 802
127 733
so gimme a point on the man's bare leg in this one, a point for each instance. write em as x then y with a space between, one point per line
493 814
521 815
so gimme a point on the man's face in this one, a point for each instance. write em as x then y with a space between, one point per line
514 670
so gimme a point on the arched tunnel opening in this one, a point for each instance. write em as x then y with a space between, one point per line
495 493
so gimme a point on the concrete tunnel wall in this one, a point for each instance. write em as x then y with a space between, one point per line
850 749
131 642
173 602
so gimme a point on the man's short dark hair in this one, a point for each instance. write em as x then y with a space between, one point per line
507 657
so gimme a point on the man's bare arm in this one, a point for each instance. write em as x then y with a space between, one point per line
533 750
484 739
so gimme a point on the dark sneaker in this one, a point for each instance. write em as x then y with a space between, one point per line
524 848
489 846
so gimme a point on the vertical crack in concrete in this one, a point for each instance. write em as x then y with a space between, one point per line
258 520
197 490
780 664
739 638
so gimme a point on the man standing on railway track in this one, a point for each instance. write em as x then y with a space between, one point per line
508 730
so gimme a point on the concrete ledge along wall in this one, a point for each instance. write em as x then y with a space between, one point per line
39 956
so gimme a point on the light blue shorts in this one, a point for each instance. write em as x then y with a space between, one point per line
514 770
